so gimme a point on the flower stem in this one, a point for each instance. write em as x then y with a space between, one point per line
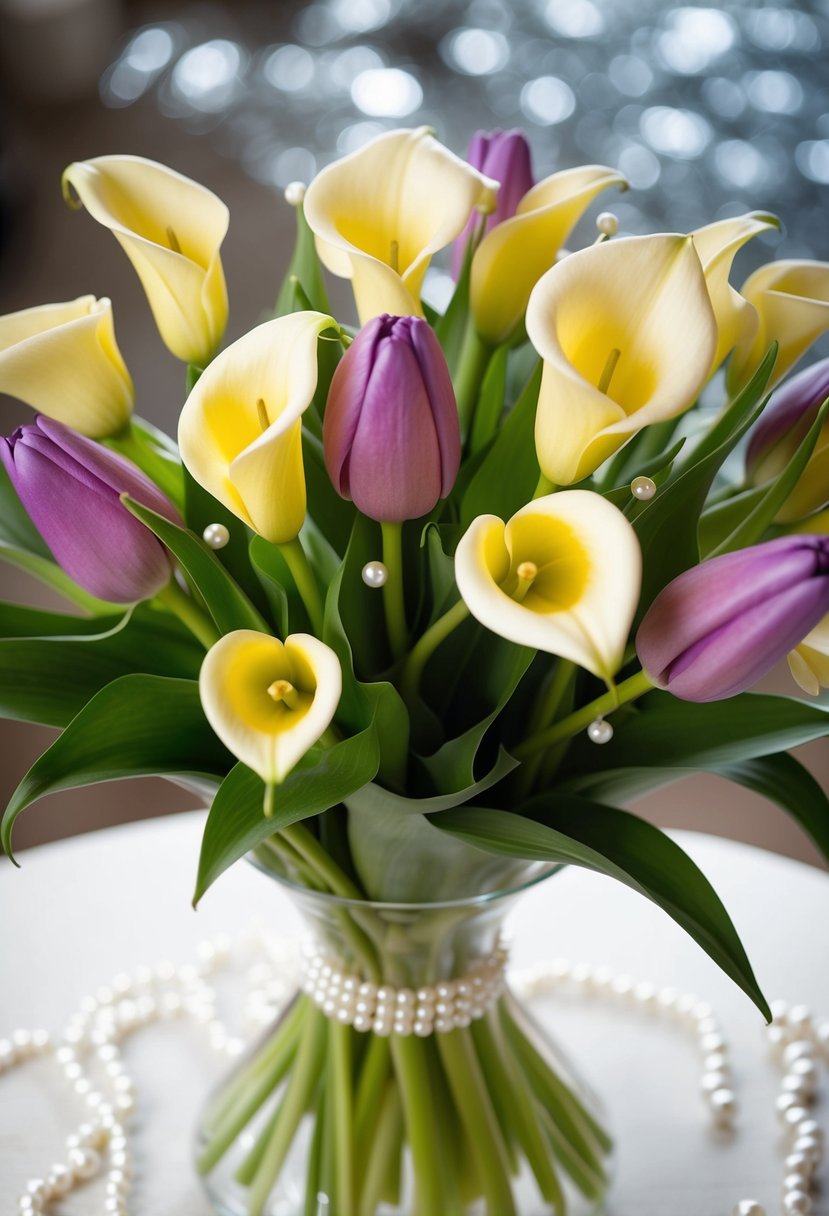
636 686
544 487
394 601
188 611
412 1078
474 358
340 1043
426 645
309 848
305 580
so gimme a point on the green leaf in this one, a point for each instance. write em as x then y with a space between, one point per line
49 573
375 797
225 601
16 528
236 823
283 598
334 516
720 520
659 469
490 400
451 327
784 781
201 509
646 449
508 475
733 416
51 665
304 266
139 725
618 844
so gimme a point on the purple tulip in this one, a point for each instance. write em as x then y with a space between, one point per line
506 157
720 626
70 487
785 422
391 432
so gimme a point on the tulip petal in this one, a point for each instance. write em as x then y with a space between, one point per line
393 203
63 360
581 604
171 229
257 474
264 733
513 256
642 296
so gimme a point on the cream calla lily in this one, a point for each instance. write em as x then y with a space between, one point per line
267 701
717 245
240 431
512 257
809 662
63 360
563 575
792 303
171 229
380 214
627 334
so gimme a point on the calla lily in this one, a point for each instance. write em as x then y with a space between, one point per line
809 662
240 431
268 701
562 575
792 303
512 257
628 335
717 245
171 229
380 214
63 360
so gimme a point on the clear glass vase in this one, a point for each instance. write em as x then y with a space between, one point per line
404 1078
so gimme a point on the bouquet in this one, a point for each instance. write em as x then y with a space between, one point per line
421 605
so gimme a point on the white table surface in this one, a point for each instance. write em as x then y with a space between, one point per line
85 909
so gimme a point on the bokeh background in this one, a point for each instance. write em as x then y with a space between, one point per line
708 110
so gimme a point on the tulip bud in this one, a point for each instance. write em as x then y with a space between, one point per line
780 432
391 432
71 488
504 156
720 626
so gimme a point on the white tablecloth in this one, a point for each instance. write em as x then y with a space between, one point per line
84 909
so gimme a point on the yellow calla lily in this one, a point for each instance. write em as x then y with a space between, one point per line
512 257
240 431
627 334
809 662
563 575
815 525
63 360
268 701
717 245
792 303
171 229
380 214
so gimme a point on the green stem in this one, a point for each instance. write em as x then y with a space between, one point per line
543 715
636 686
383 1151
425 647
340 1042
308 847
472 364
412 1078
161 468
305 580
188 611
394 600
545 486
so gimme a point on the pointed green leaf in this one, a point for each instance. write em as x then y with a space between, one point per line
334 516
784 781
305 267
451 327
201 509
507 477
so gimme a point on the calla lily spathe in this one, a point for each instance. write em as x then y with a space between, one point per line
562 575
628 335
792 303
717 245
809 662
63 360
171 229
240 431
512 257
381 213
269 701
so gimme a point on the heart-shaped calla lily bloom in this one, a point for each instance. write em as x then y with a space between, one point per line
269 701
380 213
628 335
562 575
240 431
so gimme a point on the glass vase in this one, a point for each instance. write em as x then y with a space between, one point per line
404 1078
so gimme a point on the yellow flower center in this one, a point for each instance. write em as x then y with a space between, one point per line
263 689
549 565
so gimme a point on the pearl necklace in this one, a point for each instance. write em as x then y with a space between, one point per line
89 1056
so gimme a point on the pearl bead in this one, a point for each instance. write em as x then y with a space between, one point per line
795 1181
799 1049
798 1163
375 574
607 223
723 1106
294 193
800 1017
794 1116
59 1180
84 1163
810 1127
776 1037
748 1207
711 1042
216 536
822 1038
797 1203
643 488
717 1061
810 1147
600 731
712 1081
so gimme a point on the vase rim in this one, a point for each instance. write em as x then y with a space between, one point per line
484 899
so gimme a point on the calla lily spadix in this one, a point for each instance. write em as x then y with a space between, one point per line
809 662
269 701
240 431
792 303
512 257
171 229
562 575
717 245
627 333
63 360
381 213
